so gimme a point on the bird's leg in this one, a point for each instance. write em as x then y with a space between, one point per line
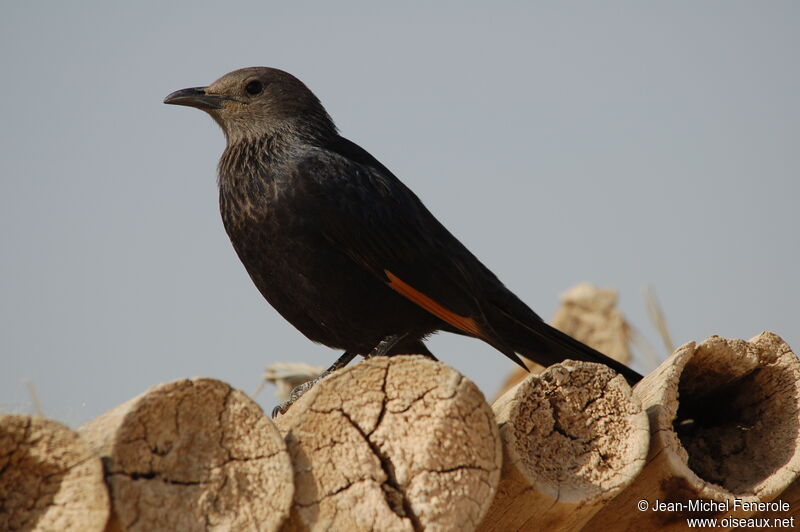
298 391
385 345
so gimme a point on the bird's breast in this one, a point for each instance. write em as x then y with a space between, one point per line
245 200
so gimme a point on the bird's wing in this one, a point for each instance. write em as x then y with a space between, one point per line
372 217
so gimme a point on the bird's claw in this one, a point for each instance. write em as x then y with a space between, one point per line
296 393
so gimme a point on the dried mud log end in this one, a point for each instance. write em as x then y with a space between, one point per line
573 437
725 423
392 443
193 455
49 479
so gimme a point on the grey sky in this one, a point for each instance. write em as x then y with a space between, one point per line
622 143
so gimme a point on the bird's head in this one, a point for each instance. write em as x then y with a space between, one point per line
258 102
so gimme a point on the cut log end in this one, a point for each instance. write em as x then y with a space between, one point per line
576 431
573 438
731 410
49 479
400 443
738 418
193 454
725 425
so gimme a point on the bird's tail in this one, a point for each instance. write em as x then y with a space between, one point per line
537 341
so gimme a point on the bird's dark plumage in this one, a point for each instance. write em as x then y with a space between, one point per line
342 248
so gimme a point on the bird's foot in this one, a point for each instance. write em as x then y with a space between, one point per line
296 393
383 347
299 390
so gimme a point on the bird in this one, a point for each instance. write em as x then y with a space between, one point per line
343 249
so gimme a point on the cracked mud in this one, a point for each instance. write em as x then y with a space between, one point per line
400 443
193 455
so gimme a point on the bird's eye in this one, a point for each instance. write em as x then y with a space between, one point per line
254 87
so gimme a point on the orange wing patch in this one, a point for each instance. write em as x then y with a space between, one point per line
463 323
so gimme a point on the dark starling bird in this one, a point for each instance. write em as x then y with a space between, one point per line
340 247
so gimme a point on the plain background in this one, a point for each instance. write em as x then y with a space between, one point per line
622 143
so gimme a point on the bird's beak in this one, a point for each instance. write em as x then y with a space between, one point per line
195 97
